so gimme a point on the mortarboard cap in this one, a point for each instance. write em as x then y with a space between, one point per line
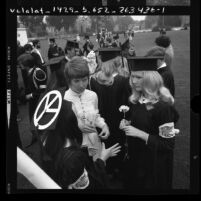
72 44
143 63
109 53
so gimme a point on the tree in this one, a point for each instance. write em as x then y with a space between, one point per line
83 23
171 21
151 21
32 23
124 22
61 21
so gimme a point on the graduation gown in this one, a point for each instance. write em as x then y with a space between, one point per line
71 162
150 165
110 98
168 79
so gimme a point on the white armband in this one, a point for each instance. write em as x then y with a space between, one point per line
81 183
167 130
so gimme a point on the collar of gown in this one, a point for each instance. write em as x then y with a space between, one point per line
142 100
162 66
75 94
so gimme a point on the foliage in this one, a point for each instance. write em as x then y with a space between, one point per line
34 24
150 21
61 21
172 21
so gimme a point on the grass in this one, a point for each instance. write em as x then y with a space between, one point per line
181 69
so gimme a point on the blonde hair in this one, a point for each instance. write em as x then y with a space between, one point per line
108 68
152 87
118 66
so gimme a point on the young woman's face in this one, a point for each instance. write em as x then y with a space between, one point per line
78 85
136 79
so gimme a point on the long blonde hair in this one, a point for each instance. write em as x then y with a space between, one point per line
152 87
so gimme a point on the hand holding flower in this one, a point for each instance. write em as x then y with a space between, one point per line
124 123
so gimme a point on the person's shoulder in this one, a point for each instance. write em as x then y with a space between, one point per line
163 107
90 93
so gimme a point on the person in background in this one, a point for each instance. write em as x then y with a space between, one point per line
115 42
124 54
25 62
150 129
85 46
54 51
71 49
91 59
20 49
85 105
165 42
163 68
36 53
77 38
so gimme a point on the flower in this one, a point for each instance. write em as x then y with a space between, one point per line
123 108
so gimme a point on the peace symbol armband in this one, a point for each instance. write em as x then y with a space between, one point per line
47 110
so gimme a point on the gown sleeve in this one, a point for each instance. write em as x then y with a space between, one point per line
164 119
99 121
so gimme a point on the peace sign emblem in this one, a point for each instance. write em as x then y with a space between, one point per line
47 110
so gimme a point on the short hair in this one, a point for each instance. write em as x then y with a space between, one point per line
28 47
35 42
76 68
163 41
52 40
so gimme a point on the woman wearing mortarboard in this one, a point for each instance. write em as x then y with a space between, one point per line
151 134
112 90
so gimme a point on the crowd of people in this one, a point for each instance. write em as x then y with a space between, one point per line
117 117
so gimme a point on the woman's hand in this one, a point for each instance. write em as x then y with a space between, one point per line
135 132
110 152
104 133
124 123
131 131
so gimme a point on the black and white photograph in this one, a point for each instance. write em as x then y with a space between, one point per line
101 101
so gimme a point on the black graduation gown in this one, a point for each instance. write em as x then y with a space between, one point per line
110 98
36 92
168 79
52 53
70 164
150 166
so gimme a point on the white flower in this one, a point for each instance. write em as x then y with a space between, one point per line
123 108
